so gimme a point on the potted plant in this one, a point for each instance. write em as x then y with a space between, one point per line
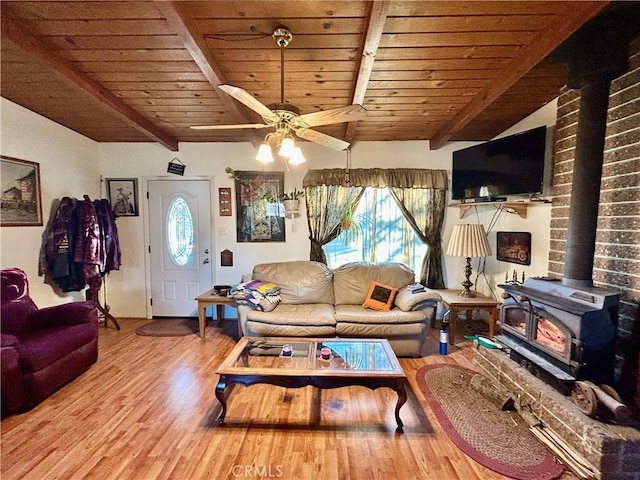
291 200
350 225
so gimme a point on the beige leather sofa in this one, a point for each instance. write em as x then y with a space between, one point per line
319 302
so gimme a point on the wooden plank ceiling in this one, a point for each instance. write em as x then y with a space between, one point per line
424 70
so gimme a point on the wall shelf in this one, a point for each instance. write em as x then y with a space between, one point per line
519 208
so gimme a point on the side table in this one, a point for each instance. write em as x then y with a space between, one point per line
208 299
456 303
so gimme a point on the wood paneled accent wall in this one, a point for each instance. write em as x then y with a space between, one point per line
617 256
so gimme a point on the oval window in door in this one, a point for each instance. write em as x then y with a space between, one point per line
179 231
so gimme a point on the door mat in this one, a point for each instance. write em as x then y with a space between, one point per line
499 440
170 327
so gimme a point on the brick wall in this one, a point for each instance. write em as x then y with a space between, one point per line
617 256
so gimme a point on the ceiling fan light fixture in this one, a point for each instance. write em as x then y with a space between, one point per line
287 147
297 158
264 153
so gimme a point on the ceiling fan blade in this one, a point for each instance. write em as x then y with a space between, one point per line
229 127
348 113
322 139
249 100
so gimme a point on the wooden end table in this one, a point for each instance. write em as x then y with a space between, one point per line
456 303
208 299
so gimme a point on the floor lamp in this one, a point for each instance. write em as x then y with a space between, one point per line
468 240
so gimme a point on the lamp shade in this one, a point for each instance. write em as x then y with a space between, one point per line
286 149
264 153
468 240
297 158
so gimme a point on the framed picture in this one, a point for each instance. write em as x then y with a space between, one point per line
259 214
122 194
224 201
21 198
514 247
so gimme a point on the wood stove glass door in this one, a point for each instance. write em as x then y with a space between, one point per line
552 334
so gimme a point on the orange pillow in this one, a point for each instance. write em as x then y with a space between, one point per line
380 297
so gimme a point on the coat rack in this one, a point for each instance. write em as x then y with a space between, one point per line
80 247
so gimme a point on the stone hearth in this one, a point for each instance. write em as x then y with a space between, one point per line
612 451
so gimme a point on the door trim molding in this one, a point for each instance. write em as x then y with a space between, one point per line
144 209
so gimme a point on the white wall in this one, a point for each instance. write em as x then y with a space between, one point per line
68 167
537 223
73 165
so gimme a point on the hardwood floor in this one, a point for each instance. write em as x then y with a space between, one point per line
147 410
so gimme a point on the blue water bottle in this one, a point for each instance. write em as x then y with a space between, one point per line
444 337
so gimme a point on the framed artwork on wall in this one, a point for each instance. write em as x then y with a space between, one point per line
122 194
224 201
259 214
21 204
514 247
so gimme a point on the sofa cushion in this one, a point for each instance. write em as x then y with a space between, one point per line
44 347
351 281
309 314
313 320
300 282
382 330
357 314
380 297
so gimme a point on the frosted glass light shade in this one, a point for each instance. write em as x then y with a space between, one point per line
264 153
287 147
468 240
297 158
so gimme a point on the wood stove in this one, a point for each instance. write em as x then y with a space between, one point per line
561 333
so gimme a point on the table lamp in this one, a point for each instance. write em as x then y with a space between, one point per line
468 240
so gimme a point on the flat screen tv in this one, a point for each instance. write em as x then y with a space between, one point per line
508 166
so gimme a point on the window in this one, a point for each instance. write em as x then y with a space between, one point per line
378 233
179 231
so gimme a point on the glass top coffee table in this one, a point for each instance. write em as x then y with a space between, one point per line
320 362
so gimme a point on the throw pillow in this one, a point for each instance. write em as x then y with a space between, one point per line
380 296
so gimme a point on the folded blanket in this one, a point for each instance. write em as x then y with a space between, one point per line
257 294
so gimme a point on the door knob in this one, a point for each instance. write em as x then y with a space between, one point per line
206 260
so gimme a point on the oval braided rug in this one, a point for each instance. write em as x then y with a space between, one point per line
499 440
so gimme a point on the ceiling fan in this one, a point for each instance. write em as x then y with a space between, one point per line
286 118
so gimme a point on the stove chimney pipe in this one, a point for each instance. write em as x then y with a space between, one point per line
597 53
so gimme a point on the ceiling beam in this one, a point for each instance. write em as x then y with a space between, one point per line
527 58
15 33
176 13
375 27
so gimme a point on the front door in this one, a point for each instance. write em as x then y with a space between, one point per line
180 245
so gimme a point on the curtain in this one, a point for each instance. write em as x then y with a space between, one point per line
326 205
419 193
423 208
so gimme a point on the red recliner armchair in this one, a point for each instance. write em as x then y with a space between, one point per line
41 350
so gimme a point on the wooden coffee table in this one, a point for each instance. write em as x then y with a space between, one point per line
370 363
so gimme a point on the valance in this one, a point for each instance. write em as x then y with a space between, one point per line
377 177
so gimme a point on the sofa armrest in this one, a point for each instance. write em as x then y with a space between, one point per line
67 314
11 388
407 301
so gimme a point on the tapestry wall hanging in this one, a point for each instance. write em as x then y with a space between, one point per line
514 247
259 214
21 197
